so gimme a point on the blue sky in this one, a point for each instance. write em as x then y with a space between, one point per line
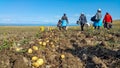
50 11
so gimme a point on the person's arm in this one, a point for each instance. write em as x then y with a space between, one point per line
111 19
96 16
80 18
67 20
58 24
85 19
62 18
104 19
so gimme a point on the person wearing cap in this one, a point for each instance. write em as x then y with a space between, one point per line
98 20
64 22
82 21
107 21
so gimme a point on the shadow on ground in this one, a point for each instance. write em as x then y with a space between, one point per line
95 56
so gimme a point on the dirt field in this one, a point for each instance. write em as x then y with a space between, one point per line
59 49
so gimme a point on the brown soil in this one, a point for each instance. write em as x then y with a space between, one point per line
81 50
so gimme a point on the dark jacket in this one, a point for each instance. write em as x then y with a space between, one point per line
64 18
83 19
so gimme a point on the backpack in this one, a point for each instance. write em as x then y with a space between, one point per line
94 19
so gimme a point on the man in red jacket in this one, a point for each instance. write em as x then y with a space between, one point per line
107 21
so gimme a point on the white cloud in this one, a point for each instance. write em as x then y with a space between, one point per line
76 15
57 17
6 20
89 15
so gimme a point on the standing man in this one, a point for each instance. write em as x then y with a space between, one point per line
82 21
64 21
107 21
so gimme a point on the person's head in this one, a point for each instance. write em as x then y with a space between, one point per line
59 19
99 10
64 14
82 13
107 13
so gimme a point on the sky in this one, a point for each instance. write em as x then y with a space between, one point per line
50 11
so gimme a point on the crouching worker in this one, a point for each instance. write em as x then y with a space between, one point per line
107 21
64 21
82 21
59 25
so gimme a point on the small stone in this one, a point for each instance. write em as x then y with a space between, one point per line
48 66
31 42
103 43
84 57
97 60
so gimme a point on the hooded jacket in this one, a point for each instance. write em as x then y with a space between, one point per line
83 19
107 18
98 16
